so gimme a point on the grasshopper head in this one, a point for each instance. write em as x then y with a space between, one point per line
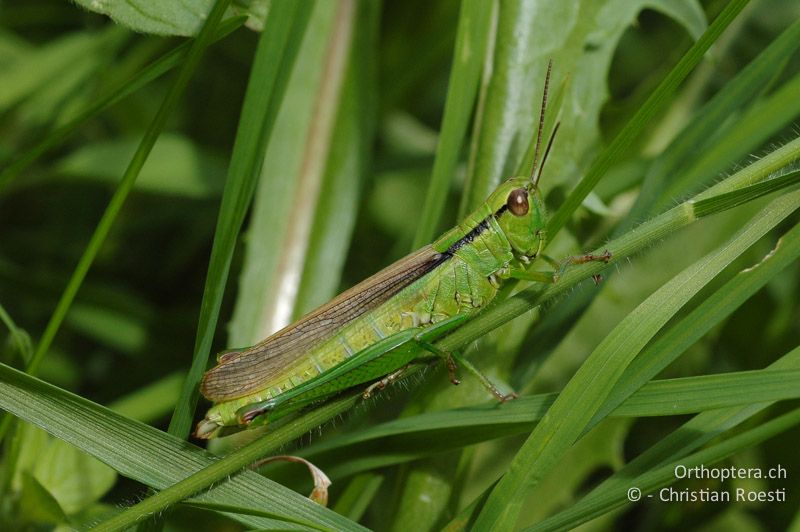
518 204
520 213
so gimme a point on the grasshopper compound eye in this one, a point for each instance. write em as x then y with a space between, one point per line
518 202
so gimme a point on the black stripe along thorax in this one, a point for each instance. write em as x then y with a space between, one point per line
475 232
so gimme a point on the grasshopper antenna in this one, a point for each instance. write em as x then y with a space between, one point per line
541 121
546 153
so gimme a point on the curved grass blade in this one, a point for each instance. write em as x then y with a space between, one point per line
159 460
277 49
757 126
700 320
693 434
429 434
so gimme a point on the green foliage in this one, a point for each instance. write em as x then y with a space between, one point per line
73 478
281 167
145 454
192 172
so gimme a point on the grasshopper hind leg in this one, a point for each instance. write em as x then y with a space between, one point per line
454 359
424 340
247 417
451 360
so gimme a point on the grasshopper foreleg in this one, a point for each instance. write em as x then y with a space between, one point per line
589 257
560 267
582 259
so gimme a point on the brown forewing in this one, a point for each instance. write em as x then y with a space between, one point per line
243 372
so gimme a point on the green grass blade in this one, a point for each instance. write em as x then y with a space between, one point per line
626 245
503 96
735 94
162 65
693 434
21 339
358 495
657 100
275 56
298 181
124 188
734 198
689 437
708 392
347 168
432 433
648 482
12 445
157 459
718 306
757 126
474 23
592 383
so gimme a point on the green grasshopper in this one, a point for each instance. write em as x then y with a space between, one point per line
372 332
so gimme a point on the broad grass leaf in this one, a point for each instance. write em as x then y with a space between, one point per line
161 17
73 478
148 455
